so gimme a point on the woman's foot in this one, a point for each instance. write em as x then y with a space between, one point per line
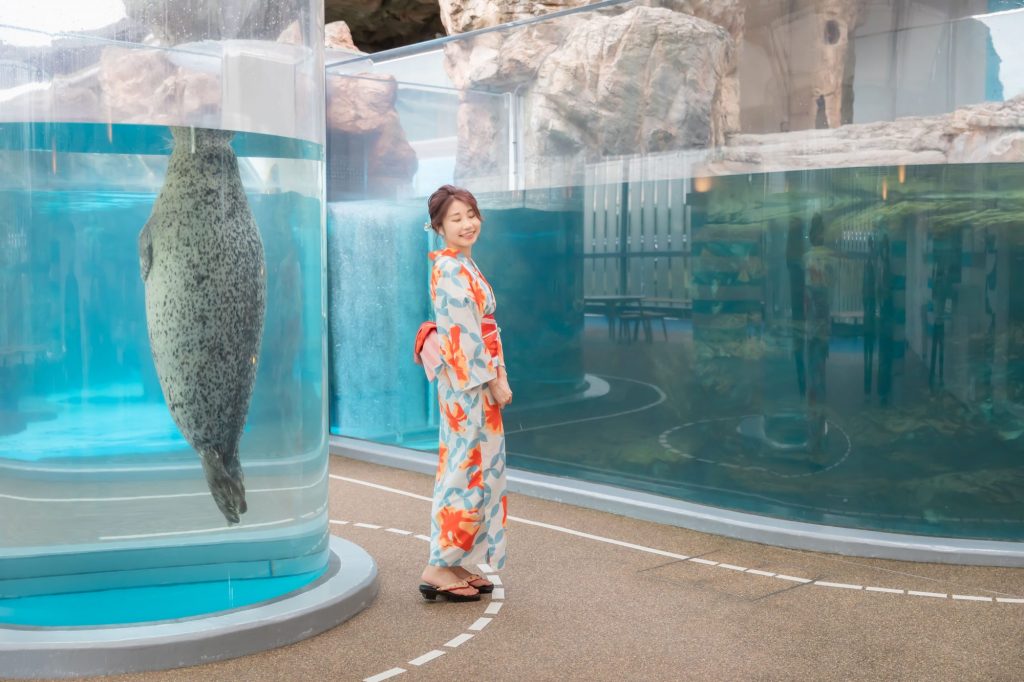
439 576
478 582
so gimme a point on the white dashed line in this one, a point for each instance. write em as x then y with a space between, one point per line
492 609
386 675
792 578
461 639
707 562
841 586
887 590
480 624
427 657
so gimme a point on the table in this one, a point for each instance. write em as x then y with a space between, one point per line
612 306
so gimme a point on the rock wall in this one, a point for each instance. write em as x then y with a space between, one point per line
594 84
646 81
992 132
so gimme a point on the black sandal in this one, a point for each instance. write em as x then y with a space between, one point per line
484 589
432 592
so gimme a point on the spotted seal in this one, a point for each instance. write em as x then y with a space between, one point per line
202 262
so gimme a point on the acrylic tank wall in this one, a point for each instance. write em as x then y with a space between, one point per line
761 256
138 331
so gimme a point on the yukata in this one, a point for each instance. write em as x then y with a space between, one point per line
470 510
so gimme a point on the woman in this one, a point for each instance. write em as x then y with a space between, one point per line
469 513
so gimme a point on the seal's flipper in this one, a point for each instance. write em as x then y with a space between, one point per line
145 251
227 490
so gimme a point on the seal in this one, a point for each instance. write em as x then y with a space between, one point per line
202 262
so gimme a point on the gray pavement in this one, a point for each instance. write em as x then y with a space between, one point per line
578 606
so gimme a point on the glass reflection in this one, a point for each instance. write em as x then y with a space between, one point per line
818 324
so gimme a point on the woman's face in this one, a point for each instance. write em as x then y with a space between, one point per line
461 226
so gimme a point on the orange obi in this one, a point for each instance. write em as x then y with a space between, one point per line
425 330
489 329
427 349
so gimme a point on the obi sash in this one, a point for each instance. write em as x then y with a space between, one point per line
427 349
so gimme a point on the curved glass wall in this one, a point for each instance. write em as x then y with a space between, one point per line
762 256
161 296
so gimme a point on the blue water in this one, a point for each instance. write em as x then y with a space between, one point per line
148 604
83 424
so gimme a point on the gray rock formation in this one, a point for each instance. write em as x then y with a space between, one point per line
984 133
361 115
338 36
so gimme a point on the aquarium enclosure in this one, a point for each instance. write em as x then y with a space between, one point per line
162 397
765 257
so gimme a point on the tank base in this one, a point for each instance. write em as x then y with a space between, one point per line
32 652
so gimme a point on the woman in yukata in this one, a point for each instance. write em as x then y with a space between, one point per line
468 517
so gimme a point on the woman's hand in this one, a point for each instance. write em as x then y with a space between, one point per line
500 390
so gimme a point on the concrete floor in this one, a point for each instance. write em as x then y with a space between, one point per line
577 607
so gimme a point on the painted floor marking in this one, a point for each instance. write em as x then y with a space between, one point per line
492 608
423 537
427 657
661 398
792 578
480 624
841 586
706 562
888 590
461 639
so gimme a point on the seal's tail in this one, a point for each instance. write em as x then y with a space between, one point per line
224 477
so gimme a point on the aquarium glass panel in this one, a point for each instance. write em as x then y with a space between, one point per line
161 296
759 256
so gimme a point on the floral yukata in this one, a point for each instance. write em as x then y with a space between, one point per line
470 510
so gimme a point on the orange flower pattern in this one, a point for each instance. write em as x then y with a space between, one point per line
442 461
458 528
492 416
469 510
455 416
